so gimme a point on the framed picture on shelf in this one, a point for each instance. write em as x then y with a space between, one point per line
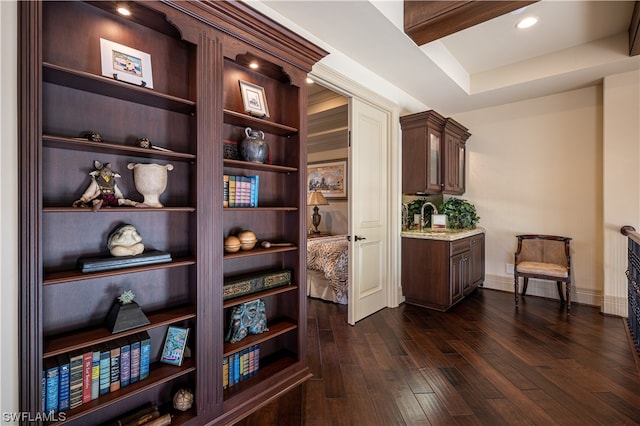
330 178
254 99
126 64
174 345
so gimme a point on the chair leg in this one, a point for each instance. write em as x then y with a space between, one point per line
568 286
524 286
515 289
559 284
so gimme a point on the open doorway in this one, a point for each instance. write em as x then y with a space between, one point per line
328 161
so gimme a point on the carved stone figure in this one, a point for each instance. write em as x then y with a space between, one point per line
103 190
125 241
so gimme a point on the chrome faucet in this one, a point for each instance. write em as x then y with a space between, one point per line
422 221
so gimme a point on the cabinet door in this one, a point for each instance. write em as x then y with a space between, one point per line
414 160
454 170
459 276
477 260
434 162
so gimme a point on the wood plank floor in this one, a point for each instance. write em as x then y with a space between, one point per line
482 363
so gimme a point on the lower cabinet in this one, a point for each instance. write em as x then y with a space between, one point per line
437 274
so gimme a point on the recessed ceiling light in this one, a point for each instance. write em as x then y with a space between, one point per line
253 65
123 10
527 22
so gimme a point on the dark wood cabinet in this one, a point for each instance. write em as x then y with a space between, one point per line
437 274
199 53
433 154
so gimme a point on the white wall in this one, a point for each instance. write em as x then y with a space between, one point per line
8 208
535 167
621 183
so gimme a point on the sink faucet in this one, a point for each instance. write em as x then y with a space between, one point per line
422 221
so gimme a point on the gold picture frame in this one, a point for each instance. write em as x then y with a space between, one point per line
330 178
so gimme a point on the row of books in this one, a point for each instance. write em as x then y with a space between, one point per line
240 366
241 191
70 380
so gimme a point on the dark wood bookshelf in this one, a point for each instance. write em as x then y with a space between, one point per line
80 339
276 328
66 276
266 293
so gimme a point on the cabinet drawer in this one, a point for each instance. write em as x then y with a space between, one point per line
460 246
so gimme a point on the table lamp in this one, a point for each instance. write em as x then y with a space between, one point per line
316 199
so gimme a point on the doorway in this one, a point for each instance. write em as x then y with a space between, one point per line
342 127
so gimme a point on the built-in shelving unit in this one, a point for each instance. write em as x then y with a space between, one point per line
199 52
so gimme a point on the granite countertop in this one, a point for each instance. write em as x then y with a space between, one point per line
446 235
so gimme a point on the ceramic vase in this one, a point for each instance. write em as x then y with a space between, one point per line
150 181
253 147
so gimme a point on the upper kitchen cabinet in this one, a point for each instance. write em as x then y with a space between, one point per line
433 154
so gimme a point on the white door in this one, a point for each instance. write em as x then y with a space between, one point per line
368 195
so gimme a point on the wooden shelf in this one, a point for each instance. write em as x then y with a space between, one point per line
88 82
117 209
81 144
71 275
257 209
266 293
159 373
276 328
244 120
258 251
67 342
258 166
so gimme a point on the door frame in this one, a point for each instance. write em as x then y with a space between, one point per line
347 87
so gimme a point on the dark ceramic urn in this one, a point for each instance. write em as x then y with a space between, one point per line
254 148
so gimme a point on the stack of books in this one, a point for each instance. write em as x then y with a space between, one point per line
241 191
70 380
240 366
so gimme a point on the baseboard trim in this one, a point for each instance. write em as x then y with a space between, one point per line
542 288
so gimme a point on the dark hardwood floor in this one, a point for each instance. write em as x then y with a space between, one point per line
482 363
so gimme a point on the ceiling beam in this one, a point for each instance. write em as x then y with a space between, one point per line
426 21
634 31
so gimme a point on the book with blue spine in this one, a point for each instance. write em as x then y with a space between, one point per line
95 372
255 184
134 342
125 362
105 369
236 368
64 375
145 354
51 374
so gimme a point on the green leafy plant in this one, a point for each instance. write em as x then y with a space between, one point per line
461 214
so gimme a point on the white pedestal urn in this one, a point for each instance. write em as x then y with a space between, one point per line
150 181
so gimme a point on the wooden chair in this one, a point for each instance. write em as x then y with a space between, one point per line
545 257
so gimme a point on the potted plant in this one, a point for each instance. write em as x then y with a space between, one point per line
461 214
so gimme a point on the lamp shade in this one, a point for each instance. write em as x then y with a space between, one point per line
317 199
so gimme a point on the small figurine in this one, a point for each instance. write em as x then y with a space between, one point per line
144 143
103 190
125 241
93 136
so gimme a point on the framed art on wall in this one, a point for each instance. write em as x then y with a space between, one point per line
330 178
254 99
126 64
